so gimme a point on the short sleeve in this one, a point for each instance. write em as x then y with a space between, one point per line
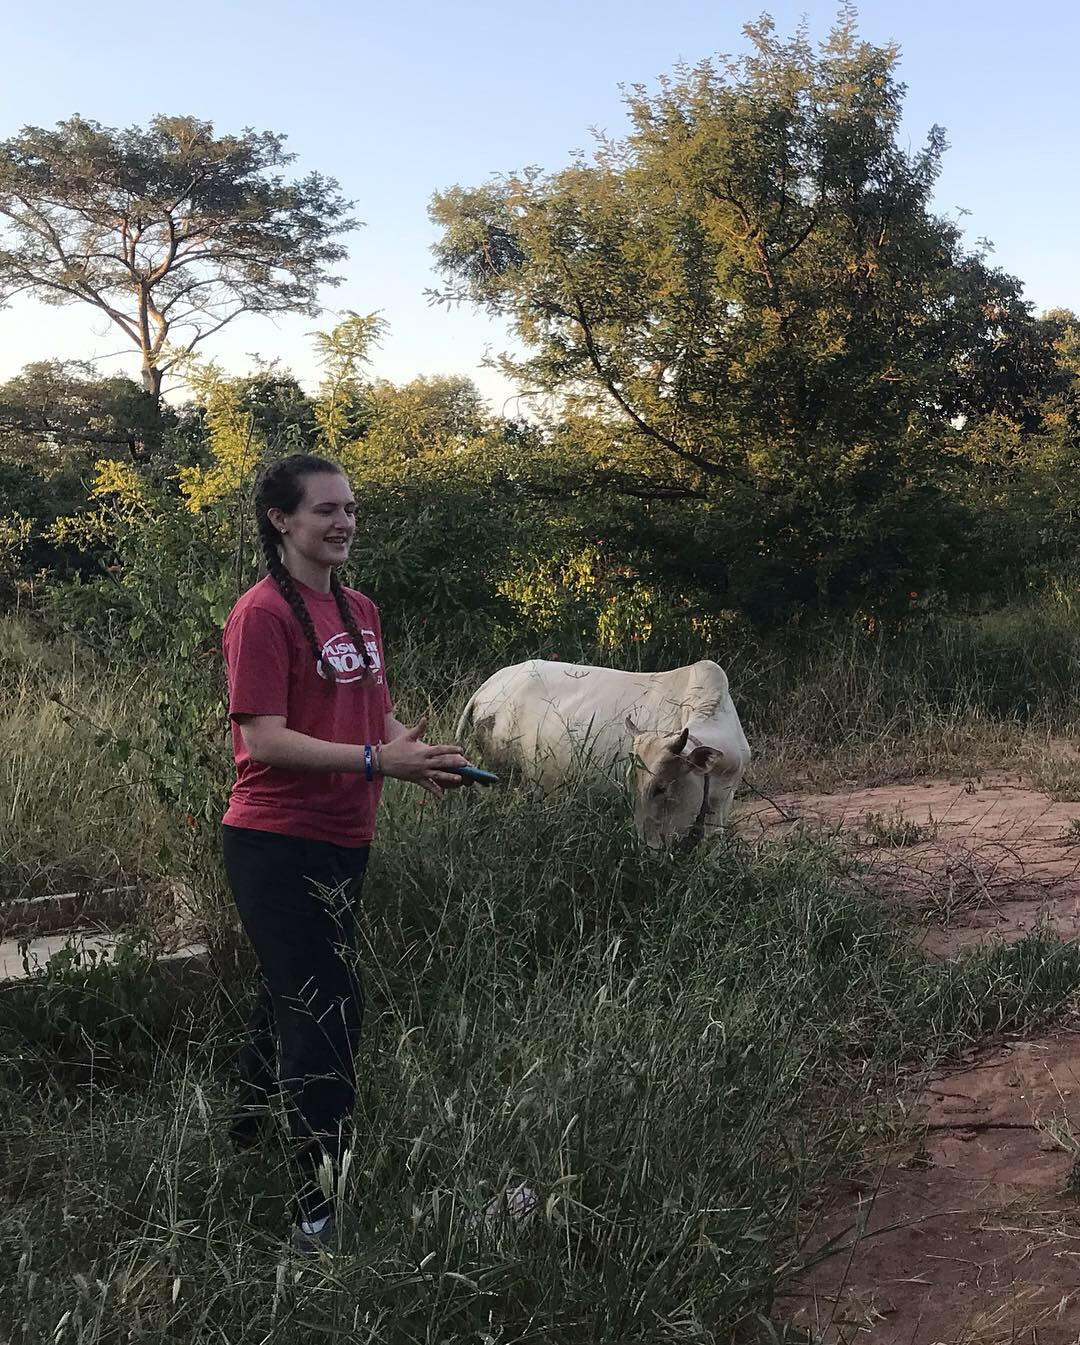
256 648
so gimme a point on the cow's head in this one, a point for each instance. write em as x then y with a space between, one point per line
667 782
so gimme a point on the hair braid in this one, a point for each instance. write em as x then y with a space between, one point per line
284 580
281 487
350 620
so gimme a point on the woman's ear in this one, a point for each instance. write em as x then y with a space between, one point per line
278 518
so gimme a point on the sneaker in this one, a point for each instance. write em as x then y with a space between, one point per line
322 1238
513 1208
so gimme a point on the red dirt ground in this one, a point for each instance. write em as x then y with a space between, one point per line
982 860
972 1235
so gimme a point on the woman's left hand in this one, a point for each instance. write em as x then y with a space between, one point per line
406 757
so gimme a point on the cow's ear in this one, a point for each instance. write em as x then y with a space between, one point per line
676 745
704 758
632 728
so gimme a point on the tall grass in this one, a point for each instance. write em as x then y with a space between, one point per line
72 814
960 695
678 1054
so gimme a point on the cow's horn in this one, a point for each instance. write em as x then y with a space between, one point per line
675 747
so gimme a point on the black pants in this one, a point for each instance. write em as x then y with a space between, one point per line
297 902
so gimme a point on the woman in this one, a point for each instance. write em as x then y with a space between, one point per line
313 732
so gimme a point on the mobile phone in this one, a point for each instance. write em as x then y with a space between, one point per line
475 774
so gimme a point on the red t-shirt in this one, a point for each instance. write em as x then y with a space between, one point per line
272 671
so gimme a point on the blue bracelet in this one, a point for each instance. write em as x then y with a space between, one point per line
367 762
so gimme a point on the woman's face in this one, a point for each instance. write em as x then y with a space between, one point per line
320 528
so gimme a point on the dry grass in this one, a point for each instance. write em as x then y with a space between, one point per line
72 814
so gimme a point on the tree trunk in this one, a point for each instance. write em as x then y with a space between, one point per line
151 380
150 440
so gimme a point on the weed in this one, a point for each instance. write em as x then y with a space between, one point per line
898 831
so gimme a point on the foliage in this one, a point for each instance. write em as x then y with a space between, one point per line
751 297
442 414
441 521
341 410
779 385
435 536
169 231
88 994
15 532
58 412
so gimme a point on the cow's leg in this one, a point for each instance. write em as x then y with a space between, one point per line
721 799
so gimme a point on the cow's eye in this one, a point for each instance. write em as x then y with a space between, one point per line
659 789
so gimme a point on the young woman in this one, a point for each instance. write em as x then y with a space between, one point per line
313 734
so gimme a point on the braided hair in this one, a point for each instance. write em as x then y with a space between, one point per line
281 486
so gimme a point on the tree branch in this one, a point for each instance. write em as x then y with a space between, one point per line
702 464
201 336
83 293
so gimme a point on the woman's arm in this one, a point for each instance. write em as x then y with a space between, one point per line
405 756
270 743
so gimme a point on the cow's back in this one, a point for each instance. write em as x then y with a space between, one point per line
545 717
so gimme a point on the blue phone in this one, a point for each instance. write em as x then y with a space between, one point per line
475 774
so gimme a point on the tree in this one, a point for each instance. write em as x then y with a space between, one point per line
437 414
344 352
57 411
752 297
170 231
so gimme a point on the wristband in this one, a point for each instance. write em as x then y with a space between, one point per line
367 762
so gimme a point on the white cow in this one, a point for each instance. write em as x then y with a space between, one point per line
674 737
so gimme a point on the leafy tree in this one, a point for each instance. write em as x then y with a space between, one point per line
342 408
170 231
752 300
56 411
281 413
437 414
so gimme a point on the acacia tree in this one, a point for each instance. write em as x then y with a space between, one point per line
170 231
753 298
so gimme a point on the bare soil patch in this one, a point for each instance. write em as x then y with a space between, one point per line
969 859
972 1233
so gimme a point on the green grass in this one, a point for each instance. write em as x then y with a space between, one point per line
680 1054
956 699
896 831
71 814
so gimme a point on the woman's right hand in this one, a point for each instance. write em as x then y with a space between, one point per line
407 758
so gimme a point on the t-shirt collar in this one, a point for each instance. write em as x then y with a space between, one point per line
313 594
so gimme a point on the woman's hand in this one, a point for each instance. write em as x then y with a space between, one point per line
407 758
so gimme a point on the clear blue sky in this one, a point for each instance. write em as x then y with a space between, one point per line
400 100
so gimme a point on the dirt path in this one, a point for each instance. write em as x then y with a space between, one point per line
971 860
972 1236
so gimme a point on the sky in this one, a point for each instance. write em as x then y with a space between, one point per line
398 101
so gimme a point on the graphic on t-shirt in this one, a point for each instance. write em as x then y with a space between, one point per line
341 654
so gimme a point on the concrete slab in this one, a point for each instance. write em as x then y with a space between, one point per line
39 950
